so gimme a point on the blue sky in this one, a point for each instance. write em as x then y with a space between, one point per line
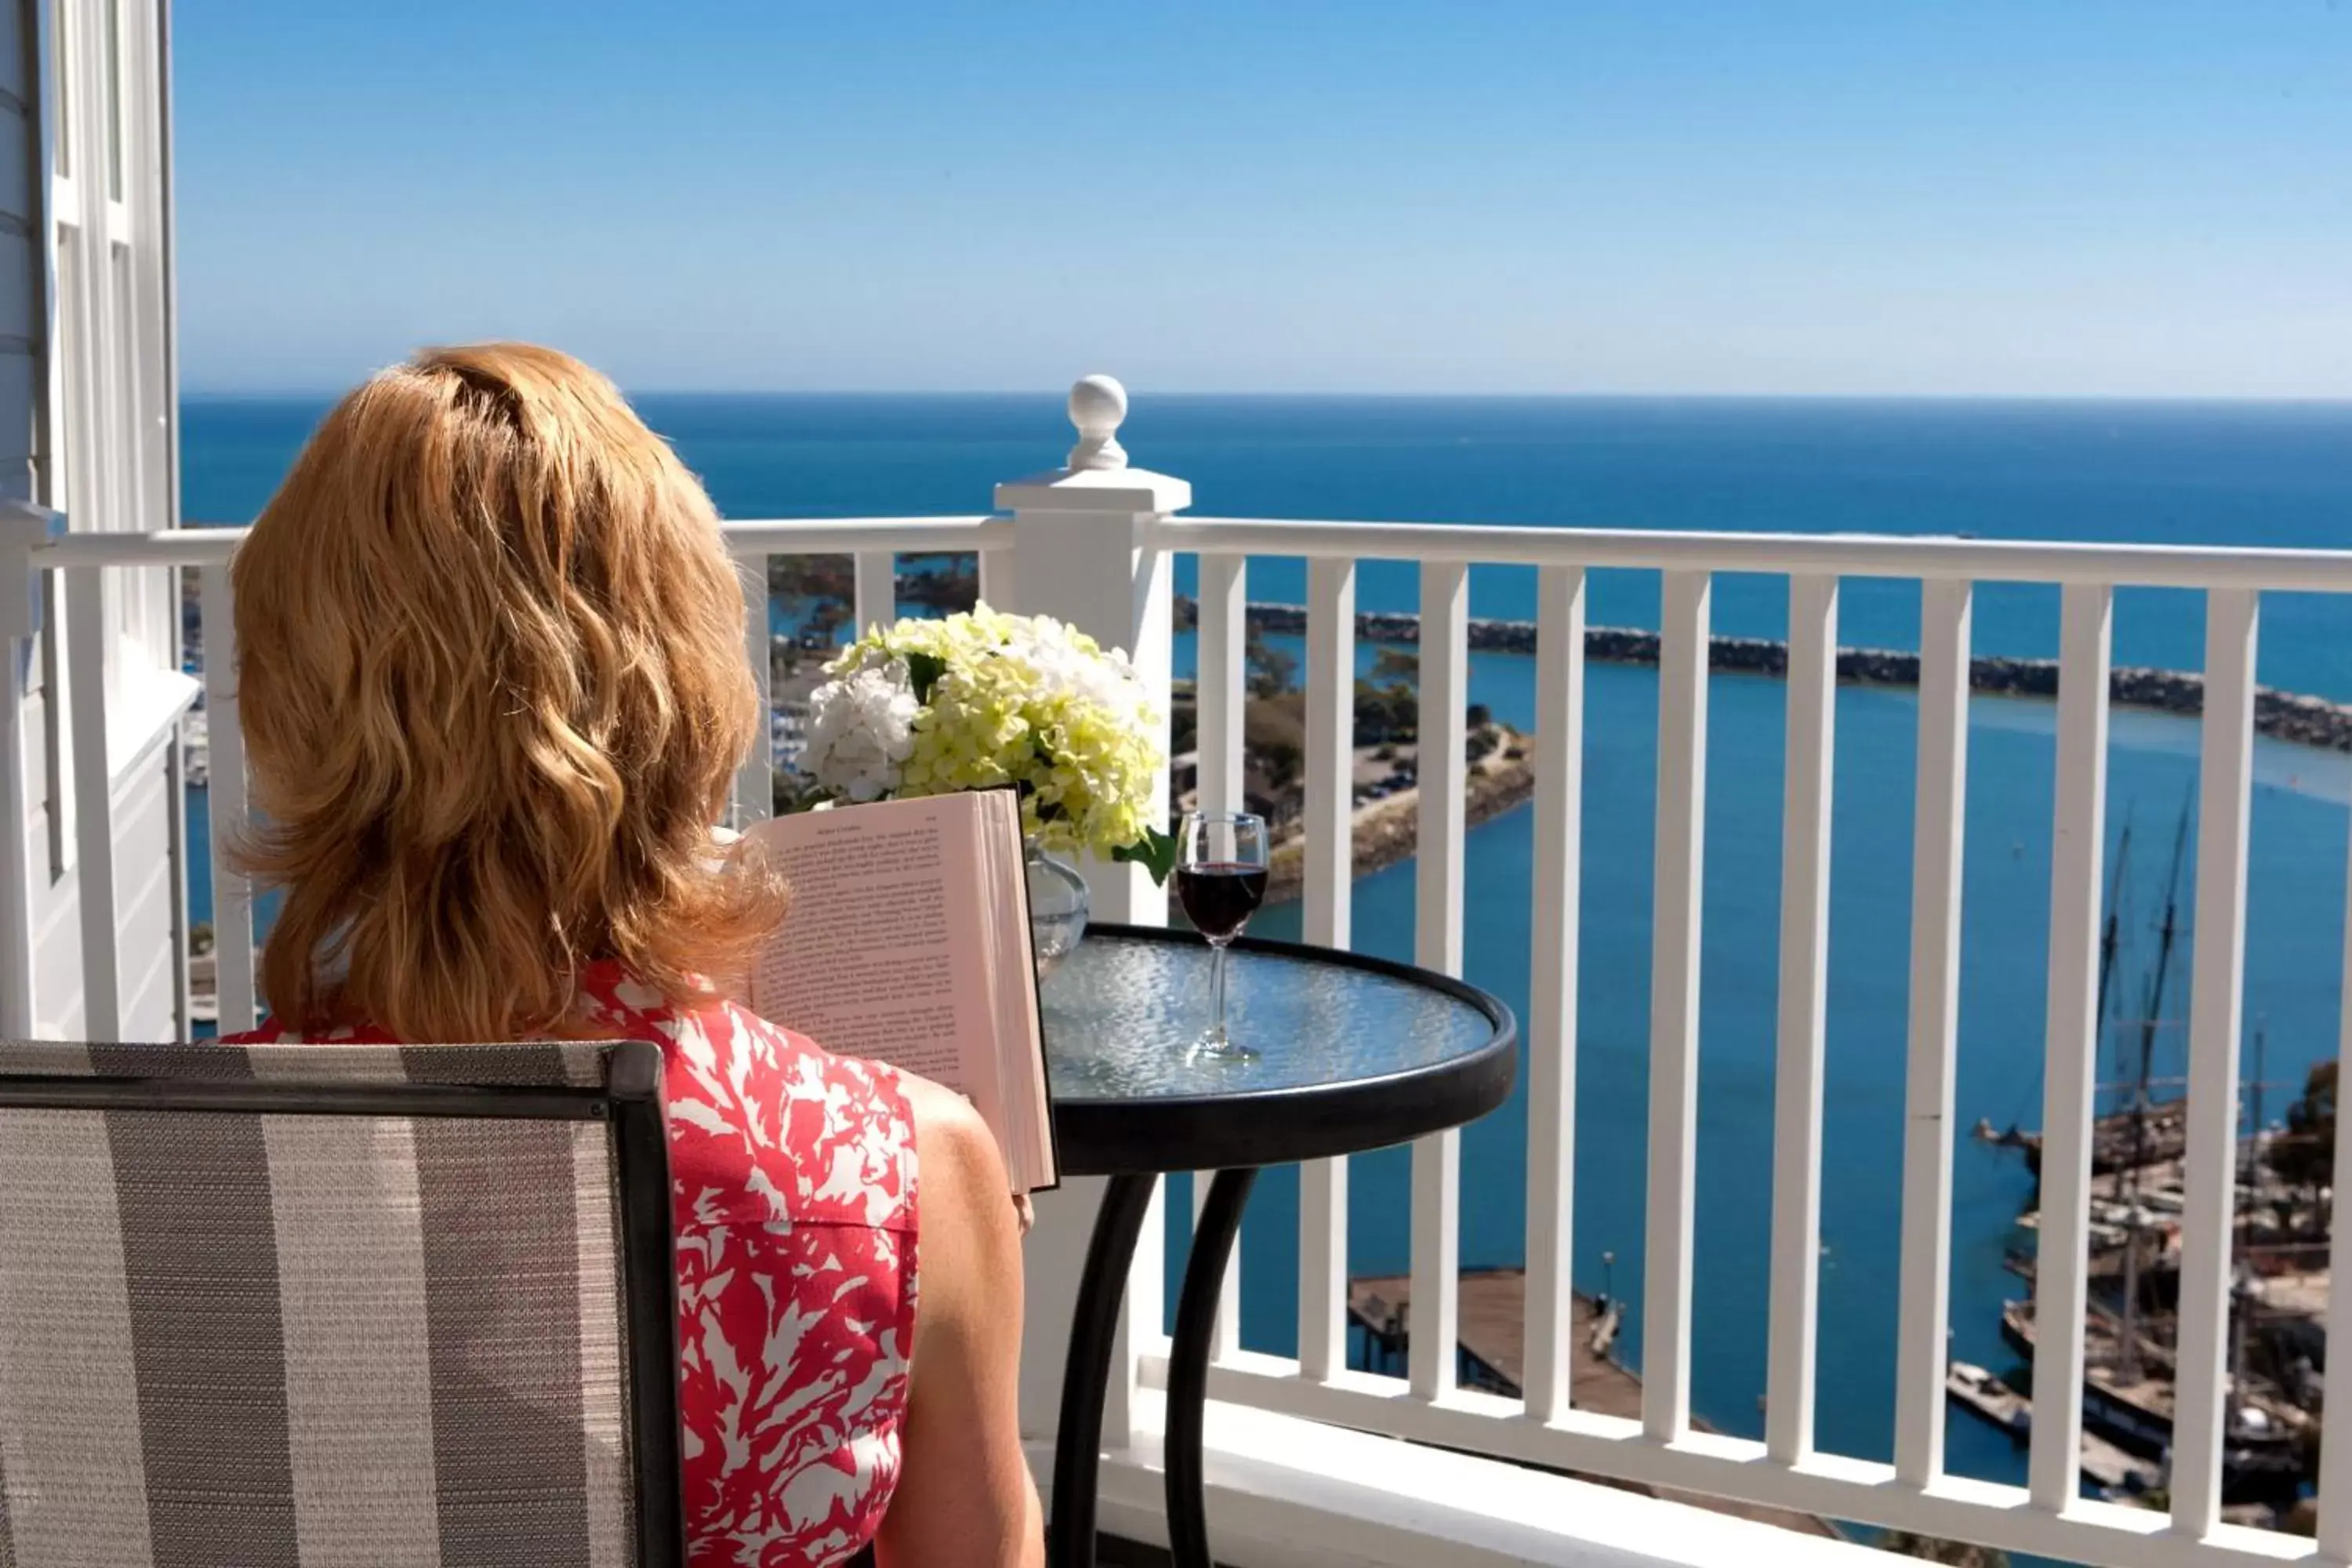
2136 198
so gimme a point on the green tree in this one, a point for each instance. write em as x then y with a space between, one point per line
1386 713
1183 718
1274 734
948 583
2306 1155
811 578
1272 671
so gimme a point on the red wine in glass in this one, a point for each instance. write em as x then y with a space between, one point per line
1219 897
1221 862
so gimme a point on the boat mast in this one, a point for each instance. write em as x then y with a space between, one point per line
2128 1371
2239 1283
2108 938
2107 945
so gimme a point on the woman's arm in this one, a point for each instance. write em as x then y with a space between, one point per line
965 1497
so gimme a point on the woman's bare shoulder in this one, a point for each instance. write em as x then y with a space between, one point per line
956 1145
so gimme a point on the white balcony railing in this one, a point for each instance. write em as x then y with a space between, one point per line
1094 545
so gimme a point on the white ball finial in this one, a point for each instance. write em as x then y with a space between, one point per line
1097 404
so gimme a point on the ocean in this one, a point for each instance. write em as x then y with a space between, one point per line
2273 475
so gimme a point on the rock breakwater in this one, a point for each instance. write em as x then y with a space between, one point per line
2282 715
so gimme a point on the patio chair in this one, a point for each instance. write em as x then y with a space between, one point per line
336 1307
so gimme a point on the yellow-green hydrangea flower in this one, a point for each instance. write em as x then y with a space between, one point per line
999 698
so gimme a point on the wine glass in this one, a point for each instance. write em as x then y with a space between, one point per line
1221 865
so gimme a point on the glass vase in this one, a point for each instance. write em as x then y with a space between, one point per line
1058 905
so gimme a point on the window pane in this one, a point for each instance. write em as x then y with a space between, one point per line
61 71
115 98
65 421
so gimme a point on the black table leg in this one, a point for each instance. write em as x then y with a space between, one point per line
1187 1363
1086 1375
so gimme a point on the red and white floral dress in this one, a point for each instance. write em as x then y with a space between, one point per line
793 1181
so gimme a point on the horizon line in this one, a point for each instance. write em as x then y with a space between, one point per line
2177 399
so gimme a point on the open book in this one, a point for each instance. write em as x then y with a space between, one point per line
907 941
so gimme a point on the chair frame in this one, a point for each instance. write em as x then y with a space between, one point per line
630 1102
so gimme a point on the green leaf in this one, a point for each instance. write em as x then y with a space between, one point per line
923 672
1156 854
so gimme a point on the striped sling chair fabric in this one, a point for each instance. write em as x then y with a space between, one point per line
336 1307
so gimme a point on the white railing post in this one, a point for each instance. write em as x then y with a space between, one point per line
1086 540
2215 997
1938 825
1437 944
1221 696
1551 988
2335 1475
1328 913
2077 850
1811 749
874 590
235 991
1679 857
755 779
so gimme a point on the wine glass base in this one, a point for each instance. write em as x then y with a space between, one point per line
1216 1047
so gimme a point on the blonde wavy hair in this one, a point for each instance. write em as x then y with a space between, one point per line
493 684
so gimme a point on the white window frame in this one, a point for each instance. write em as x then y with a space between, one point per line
112 377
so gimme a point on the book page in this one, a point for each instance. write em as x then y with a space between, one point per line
868 962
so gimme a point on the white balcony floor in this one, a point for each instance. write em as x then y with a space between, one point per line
1286 1493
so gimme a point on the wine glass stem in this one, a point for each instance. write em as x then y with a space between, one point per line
1217 992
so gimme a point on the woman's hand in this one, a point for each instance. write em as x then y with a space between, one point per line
1023 1213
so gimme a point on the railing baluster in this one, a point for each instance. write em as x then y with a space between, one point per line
1329 869
1551 986
1921 1354
88 631
998 585
2335 1453
224 795
876 589
1812 741
2077 848
2216 994
1442 774
755 781
1673 1005
1220 692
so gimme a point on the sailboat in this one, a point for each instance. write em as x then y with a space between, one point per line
2129 1369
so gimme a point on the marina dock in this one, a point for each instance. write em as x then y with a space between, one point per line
1492 1305
2104 1465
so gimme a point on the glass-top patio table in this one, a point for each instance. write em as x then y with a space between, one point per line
1353 1053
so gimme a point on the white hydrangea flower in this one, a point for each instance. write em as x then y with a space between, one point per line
861 728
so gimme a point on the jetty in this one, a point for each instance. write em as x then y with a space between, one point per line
1492 1307
1385 823
2289 716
